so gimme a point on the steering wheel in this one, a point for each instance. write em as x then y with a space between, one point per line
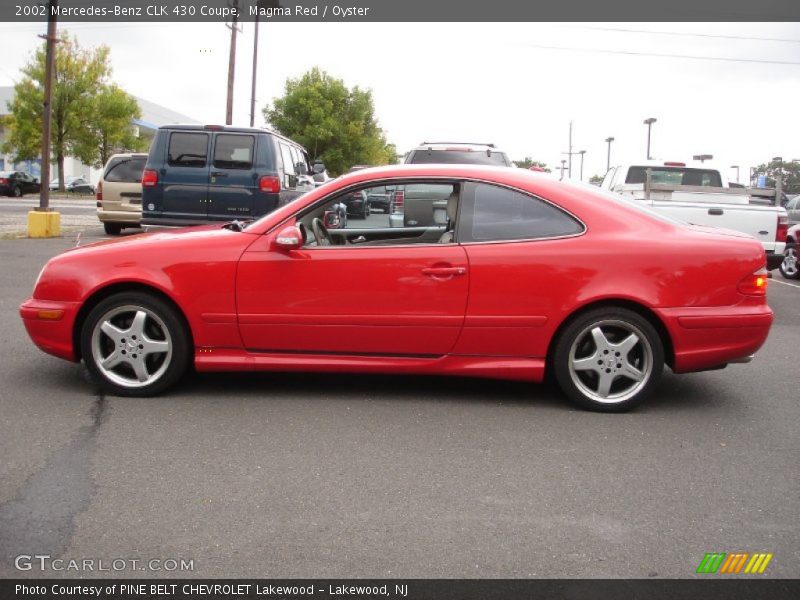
321 233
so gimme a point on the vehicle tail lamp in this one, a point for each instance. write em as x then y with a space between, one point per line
269 183
3 181
783 228
149 178
754 284
398 202
99 192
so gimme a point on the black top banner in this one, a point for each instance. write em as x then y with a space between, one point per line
399 10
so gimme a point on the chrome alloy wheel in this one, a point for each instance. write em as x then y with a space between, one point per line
789 266
610 361
131 346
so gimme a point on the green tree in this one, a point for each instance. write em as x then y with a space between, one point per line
80 74
334 123
596 179
110 130
789 171
528 162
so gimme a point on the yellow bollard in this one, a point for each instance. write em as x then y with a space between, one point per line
44 224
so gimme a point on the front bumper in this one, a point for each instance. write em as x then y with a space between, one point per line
50 325
710 337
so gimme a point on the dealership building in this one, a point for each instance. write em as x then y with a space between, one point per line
153 116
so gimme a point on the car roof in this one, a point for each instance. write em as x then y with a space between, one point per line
229 129
127 155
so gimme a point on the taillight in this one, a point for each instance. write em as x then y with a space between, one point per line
755 284
398 202
783 228
3 180
149 178
99 193
269 183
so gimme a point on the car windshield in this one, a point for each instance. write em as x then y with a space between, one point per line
458 157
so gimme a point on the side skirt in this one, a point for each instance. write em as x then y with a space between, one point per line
494 367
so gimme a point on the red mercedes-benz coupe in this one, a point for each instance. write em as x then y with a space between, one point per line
513 276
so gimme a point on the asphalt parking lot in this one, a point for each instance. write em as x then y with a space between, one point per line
352 476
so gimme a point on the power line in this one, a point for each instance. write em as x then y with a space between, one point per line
657 55
688 34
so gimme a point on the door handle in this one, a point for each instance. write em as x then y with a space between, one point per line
442 272
219 174
715 211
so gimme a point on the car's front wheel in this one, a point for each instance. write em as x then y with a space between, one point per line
789 267
135 344
608 359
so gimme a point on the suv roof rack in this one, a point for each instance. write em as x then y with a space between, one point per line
458 143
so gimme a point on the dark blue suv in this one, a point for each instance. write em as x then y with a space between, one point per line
201 173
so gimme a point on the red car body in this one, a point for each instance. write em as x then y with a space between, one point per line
250 305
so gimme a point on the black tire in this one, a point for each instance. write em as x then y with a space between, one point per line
580 364
112 228
366 211
16 191
790 268
160 315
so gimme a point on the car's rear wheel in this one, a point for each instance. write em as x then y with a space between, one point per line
789 267
112 228
608 359
135 344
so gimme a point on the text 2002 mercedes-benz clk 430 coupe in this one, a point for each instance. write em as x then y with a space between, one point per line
501 273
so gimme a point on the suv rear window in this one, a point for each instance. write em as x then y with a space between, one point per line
675 176
458 157
128 170
187 149
233 151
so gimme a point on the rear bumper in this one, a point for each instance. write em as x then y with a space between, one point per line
119 216
50 324
709 337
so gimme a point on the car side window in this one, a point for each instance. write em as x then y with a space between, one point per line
187 149
501 214
388 214
233 151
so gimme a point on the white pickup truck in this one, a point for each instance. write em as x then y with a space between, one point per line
702 195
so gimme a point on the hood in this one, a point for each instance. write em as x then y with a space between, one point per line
155 237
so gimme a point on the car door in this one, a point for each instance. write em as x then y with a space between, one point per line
184 179
233 182
525 265
397 296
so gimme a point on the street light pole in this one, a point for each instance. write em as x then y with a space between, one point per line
231 65
608 159
570 151
563 162
255 63
649 122
582 152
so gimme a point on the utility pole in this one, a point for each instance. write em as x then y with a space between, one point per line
44 222
608 159
255 63
563 162
49 68
582 152
570 150
231 64
649 122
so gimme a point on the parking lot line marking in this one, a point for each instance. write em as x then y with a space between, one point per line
786 283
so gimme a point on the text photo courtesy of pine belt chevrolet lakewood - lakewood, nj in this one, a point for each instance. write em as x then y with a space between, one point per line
428 300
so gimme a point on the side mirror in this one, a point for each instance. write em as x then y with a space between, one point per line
290 238
319 167
332 219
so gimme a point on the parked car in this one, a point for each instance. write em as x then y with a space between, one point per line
18 183
204 173
75 185
463 153
790 267
119 192
793 209
552 282
357 204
